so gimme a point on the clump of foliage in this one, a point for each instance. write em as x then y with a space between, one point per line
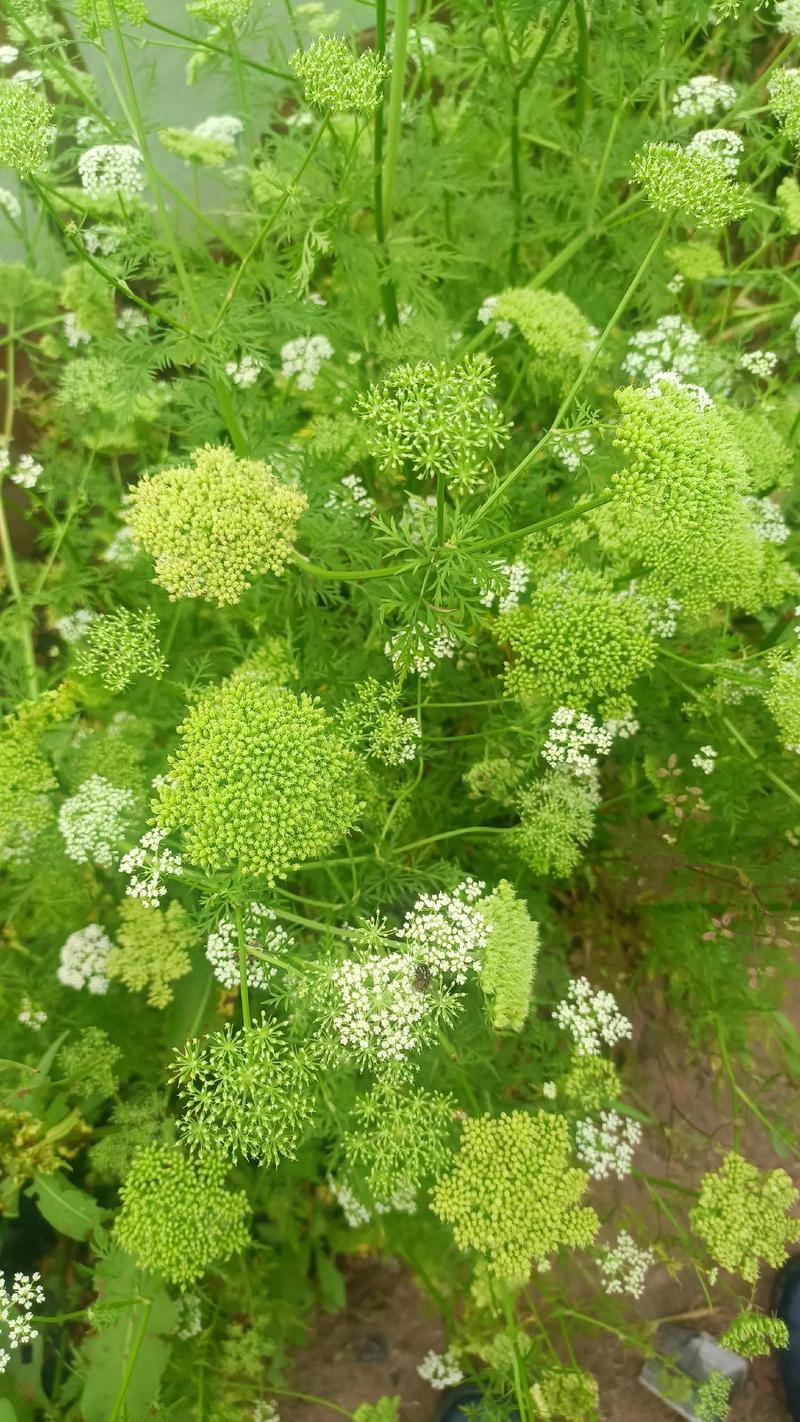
400 717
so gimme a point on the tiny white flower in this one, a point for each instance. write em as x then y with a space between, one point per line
441 1370
592 1018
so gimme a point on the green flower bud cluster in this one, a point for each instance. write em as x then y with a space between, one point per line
25 119
386 1409
434 418
577 638
401 1137
555 329
245 1093
556 821
755 1334
713 1398
591 1084
221 12
784 100
120 646
114 752
512 1193
95 15
495 778
509 959
211 526
770 460
335 79
261 781
375 720
782 696
272 663
177 1215
88 1064
697 261
26 778
787 197
566 1396
691 181
741 1216
154 949
684 488
196 147
133 1125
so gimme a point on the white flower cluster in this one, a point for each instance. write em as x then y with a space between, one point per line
788 16
104 238
607 1149
624 1267
75 625
83 960
698 393
94 821
447 932
671 345
431 647
111 168
720 143
9 54
74 335
351 497
25 471
404 1200
592 1018
27 76
245 371
148 864
220 128
701 96
663 615
379 1010
16 1312
262 933
514 579
676 283
760 363
486 314
705 760
577 741
572 448
794 327
10 205
190 1318
303 357
768 521
31 1016
623 727
265 1411
122 549
441 1370
89 129
130 320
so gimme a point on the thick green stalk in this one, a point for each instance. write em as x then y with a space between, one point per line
388 294
244 990
395 116
116 1409
581 64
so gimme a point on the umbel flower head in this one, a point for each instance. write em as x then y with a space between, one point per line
755 1334
578 638
401 1136
784 97
782 696
261 781
692 181
556 821
177 1215
556 330
509 958
335 79
153 951
684 490
119 647
741 1216
214 524
512 1193
246 1093
433 418
25 119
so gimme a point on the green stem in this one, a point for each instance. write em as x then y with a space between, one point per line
395 117
581 64
9 560
309 1397
192 42
134 1353
566 516
753 754
350 575
267 226
245 994
528 459
388 294
440 507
